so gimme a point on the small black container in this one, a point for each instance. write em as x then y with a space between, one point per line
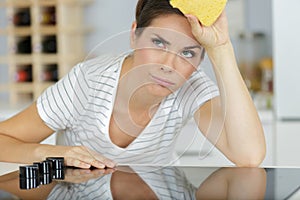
45 172
29 177
57 167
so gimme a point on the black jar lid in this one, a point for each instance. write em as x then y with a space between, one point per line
57 162
29 171
44 166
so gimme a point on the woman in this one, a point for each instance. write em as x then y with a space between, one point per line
129 108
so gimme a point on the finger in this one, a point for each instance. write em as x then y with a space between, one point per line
98 164
193 20
107 162
85 155
93 158
77 163
196 27
84 162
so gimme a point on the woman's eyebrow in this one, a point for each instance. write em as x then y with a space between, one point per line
168 43
162 39
193 47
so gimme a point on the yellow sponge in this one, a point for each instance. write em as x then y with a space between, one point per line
207 11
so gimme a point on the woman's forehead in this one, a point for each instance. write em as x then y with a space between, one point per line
173 26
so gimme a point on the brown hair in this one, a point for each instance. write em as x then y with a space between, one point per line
147 10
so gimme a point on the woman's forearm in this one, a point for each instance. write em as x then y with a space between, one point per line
243 128
16 151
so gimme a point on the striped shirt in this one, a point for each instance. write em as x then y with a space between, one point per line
81 104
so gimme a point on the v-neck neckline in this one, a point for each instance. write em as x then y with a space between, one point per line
110 112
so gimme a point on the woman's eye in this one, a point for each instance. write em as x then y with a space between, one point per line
158 43
188 54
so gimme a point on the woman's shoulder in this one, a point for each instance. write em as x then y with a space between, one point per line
96 65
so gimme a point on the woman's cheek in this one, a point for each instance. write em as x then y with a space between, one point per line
149 56
185 68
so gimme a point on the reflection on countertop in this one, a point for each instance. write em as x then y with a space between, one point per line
147 182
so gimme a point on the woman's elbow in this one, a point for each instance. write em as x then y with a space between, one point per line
251 160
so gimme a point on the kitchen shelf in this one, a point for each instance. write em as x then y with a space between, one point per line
18 59
22 87
27 3
17 31
45 40
16 3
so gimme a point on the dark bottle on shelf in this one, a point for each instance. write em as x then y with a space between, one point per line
48 16
22 17
50 73
49 44
24 45
23 73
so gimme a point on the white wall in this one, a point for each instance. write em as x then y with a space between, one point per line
109 19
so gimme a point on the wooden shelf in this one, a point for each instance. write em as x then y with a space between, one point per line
44 30
48 30
77 2
19 59
68 37
47 58
47 2
25 87
28 3
16 3
69 2
17 31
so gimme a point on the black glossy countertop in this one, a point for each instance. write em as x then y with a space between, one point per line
156 182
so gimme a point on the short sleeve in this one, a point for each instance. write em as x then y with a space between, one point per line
195 92
56 105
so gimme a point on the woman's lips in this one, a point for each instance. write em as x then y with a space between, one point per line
161 81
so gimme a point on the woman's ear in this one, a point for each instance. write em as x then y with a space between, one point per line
133 35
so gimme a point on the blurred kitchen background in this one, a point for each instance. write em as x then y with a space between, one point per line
40 40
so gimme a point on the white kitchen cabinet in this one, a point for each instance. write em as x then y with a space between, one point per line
287 143
191 144
286 51
194 149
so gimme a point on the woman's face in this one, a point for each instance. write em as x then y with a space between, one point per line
167 52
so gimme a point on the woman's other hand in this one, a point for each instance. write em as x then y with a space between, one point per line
82 157
210 36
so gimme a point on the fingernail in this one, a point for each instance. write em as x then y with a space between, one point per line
101 165
86 166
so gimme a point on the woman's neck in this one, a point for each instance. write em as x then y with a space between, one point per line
132 92
134 107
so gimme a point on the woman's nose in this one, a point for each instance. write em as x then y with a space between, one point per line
169 62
